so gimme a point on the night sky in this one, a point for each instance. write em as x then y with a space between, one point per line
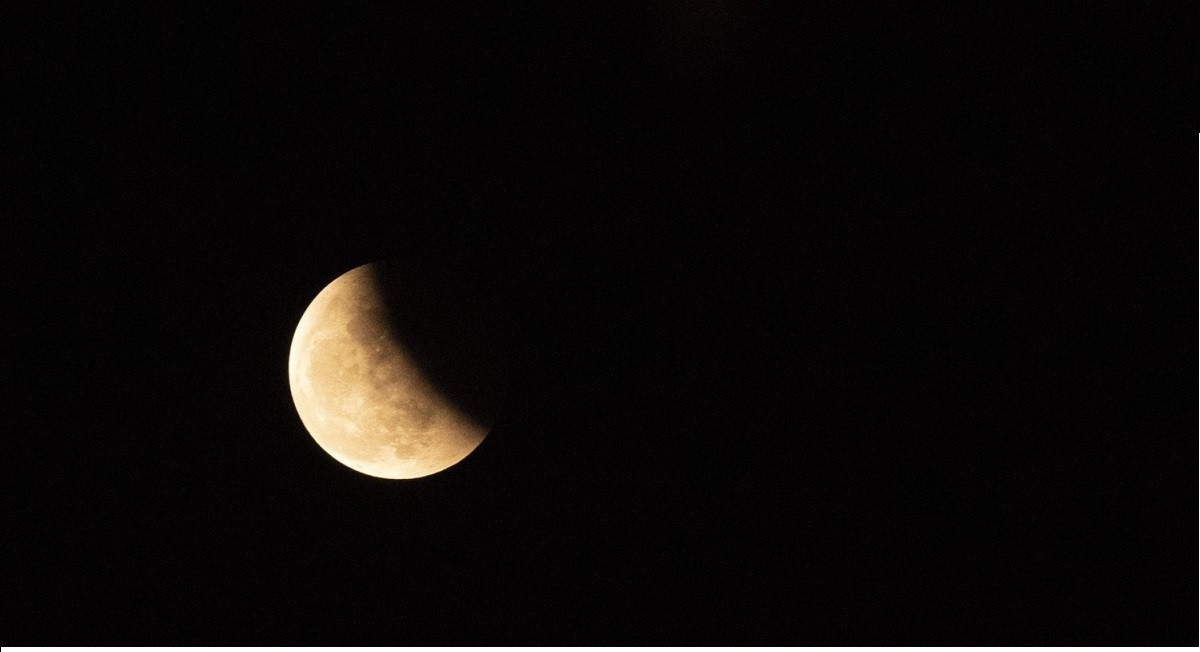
821 328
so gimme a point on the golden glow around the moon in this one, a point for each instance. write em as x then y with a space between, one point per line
360 393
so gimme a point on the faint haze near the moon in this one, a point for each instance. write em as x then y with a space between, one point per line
362 367
704 28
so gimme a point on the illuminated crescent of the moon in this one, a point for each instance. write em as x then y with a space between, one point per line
361 392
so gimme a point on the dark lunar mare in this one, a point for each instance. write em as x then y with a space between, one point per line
438 324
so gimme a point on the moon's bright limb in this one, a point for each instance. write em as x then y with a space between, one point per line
363 382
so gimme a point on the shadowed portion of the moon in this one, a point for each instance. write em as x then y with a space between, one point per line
443 335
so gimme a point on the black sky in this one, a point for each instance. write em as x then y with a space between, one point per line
834 328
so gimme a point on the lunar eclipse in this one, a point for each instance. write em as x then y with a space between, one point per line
389 376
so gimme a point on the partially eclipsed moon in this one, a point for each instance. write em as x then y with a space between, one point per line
389 379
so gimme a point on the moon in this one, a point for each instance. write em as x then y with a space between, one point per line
391 378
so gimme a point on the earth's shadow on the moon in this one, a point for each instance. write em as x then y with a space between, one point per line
437 325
